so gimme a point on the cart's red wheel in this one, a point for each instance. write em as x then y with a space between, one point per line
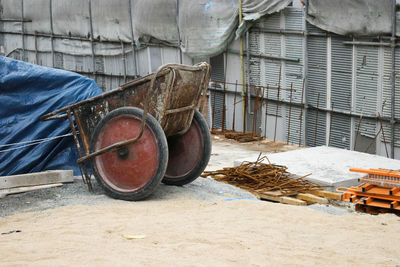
134 171
188 153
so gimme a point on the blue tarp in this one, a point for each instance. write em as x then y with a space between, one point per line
27 92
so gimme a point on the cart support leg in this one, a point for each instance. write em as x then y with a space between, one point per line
82 166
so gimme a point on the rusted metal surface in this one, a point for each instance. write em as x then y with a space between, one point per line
171 95
260 177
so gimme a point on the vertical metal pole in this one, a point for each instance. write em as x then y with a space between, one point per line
52 33
179 33
248 71
266 112
224 108
213 107
330 125
123 59
234 107
23 31
301 111
290 112
316 122
36 50
133 38
92 39
245 107
392 117
242 69
277 102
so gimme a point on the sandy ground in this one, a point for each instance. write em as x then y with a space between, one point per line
184 230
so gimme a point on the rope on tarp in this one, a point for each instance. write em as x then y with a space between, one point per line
31 142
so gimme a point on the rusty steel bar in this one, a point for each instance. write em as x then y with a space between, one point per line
213 108
383 134
290 113
301 111
260 177
266 113
330 126
357 133
255 112
234 108
254 85
82 167
277 106
316 122
245 108
224 109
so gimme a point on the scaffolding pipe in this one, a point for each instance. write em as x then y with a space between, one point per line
248 71
179 33
91 39
368 43
52 32
292 59
393 39
132 37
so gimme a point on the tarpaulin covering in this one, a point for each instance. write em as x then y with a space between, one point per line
352 17
206 26
27 92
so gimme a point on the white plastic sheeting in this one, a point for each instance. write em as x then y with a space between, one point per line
352 17
206 27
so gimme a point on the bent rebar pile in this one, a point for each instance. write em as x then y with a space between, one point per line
260 177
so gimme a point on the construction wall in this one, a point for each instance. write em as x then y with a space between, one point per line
347 86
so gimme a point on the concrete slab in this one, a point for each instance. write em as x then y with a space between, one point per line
328 165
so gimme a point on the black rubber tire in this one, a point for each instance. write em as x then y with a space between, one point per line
162 147
205 153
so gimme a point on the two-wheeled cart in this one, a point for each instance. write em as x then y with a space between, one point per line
146 131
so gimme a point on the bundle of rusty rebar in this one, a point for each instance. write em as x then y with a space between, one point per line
259 177
243 137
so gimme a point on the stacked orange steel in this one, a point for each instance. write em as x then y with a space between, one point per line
380 189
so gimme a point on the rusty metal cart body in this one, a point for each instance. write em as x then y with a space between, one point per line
146 131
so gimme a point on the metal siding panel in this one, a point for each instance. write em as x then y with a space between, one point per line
271 22
387 93
341 81
367 86
294 19
217 101
316 76
217 68
272 44
294 131
312 29
340 131
310 129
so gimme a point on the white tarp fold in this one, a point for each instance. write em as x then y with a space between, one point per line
352 17
206 27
